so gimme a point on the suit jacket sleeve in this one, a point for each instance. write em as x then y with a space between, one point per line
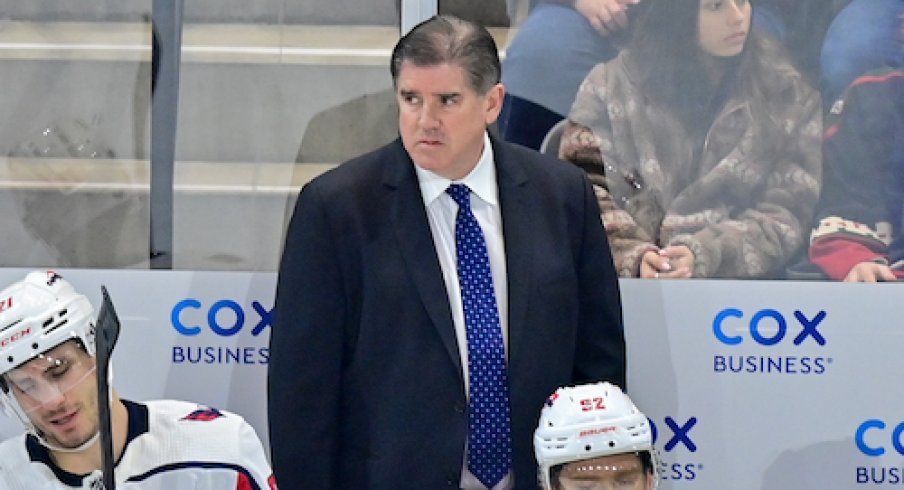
600 349
306 351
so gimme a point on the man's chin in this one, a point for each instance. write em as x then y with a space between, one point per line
68 441
74 443
429 162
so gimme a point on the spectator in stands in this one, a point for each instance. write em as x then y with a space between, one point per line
704 145
864 35
834 41
48 377
554 49
593 437
562 40
858 236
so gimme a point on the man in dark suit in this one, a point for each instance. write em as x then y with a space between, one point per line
377 358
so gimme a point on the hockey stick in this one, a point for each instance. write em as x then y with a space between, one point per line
106 334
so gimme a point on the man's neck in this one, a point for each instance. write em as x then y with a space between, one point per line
84 462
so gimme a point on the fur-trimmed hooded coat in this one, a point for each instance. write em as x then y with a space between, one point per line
743 205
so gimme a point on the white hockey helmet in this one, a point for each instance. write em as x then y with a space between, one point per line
589 421
39 313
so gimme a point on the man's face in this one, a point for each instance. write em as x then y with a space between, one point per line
442 119
58 392
616 472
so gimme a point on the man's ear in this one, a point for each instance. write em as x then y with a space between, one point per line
493 100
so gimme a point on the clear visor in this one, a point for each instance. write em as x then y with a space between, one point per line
618 472
45 379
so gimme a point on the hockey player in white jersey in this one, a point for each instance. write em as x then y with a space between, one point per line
47 376
592 437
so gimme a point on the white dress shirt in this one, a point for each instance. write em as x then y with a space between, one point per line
441 212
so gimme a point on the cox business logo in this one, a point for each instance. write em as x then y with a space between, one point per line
678 439
875 437
219 320
765 329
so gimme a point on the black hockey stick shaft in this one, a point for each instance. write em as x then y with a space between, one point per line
107 332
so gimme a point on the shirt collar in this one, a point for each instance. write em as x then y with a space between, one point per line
481 180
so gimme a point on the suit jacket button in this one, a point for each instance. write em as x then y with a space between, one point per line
459 408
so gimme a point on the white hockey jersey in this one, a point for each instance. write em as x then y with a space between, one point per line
170 445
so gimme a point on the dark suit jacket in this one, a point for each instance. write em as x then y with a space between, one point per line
365 383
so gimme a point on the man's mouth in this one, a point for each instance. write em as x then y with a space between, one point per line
64 420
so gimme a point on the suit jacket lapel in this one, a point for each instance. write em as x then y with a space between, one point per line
416 246
516 207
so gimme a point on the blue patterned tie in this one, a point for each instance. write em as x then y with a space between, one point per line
489 418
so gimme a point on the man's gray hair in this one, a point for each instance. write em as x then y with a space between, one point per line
449 39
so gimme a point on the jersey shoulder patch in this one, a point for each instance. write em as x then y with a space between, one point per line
203 414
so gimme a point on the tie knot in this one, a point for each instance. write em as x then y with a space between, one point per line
461 194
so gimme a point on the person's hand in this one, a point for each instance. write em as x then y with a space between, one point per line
606 16
651 263
669 263
681 261
870 272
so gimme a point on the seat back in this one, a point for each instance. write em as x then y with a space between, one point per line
553 139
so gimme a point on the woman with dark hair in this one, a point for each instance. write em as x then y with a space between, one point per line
703 143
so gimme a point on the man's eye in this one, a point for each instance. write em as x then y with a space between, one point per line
59 372
628 481
449 100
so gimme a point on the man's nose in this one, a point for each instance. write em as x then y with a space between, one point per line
428 117
49 395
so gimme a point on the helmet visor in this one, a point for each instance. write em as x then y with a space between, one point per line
46 378
615 472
